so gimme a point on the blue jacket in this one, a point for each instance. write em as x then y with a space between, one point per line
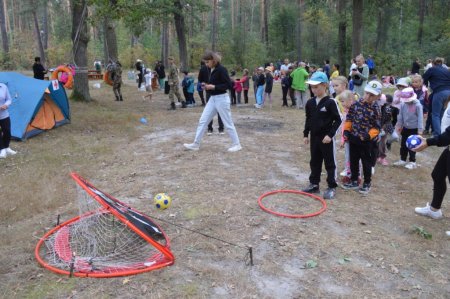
439 78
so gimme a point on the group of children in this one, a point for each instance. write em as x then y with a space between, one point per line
369 125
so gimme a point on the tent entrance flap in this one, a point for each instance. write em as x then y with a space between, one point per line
47 116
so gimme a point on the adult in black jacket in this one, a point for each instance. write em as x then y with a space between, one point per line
203 77
140 70
217 85
440 172
159 69
38 69
322 121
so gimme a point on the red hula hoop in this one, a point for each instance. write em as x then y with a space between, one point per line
322 201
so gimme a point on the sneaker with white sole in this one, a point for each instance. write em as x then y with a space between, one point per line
400 163
330 193
192 146
235 148
3 154
427 211
312 188
365 189
411 165
10 152
351 185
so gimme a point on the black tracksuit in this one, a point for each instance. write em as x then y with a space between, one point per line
322 119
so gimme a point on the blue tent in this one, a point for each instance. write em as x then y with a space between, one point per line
37 105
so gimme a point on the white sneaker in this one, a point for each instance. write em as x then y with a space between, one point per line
343 172
400 163
9 151
447 233
235 148
257 106
426 211
411 165
3 154
192 146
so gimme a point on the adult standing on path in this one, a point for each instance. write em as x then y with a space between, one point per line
116 76
299 77
203 77
415 67
173 84
441 171
439 78
38 69
218 84
160 71
371 65
5 122
360 75
140 68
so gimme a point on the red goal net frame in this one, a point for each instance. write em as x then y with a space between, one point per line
130 220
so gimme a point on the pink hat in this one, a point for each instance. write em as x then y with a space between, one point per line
408 95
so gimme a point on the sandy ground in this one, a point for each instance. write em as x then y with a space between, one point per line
360 247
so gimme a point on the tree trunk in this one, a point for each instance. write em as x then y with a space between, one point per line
179 27
232 17
264 23
5 44
357 21
421 19
110 40
342 35
214 25
298 31
45 25
80 39
39 38
165 43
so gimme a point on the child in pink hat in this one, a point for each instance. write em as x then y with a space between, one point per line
409 122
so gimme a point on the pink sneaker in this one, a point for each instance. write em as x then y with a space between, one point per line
384 162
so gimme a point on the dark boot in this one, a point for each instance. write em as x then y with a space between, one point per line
121 98
172 106
183 104
117 98
294 104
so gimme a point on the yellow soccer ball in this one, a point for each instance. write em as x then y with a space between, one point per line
162 201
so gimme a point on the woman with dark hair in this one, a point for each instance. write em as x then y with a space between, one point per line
5 122
217 84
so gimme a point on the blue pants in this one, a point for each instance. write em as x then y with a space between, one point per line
259 95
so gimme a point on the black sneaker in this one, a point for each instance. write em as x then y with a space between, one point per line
365 189
330 193
312 189
351 185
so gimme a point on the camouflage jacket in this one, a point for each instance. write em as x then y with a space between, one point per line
116 74
173 75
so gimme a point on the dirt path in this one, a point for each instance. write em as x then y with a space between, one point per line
361 247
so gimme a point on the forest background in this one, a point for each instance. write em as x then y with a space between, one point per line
247 32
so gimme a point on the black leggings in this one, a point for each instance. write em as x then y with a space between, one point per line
246 96
404 151
5 134
440 173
